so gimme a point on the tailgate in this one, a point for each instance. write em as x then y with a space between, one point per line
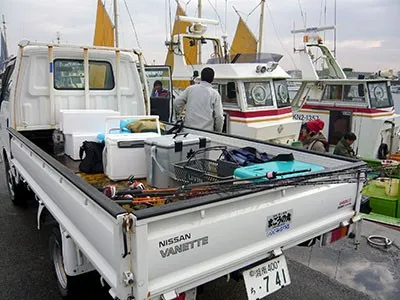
186 248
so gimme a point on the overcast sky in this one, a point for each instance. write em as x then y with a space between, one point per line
368 31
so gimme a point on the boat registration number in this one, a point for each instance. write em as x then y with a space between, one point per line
266 278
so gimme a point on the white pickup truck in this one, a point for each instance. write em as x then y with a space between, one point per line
160 252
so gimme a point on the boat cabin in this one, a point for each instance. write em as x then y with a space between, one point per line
253 87
362 106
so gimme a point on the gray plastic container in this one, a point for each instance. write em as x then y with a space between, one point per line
162 152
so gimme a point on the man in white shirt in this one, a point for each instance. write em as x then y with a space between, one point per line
203 104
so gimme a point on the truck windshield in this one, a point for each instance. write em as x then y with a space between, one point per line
258 94
379 95
282 93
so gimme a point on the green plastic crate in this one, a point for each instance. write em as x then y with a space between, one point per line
380 202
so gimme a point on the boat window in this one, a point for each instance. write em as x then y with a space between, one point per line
282 93
69 75
258 94
228 94
354 93
333 93
379 95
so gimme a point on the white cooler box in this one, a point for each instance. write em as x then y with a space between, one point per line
162 152
73 143
124 155
81 121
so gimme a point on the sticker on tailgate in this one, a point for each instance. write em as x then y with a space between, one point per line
279 222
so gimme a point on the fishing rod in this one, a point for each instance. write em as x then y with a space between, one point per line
275 181
269 175
232 189
195 187
229 186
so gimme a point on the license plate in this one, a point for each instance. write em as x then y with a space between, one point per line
266 278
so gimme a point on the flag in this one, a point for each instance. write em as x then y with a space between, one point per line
104 31
3 52
244 40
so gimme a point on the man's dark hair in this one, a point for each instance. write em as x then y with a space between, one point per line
349 136
207 74
157 82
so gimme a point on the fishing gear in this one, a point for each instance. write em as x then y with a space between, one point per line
195 190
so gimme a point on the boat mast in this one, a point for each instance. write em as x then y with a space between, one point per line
5 33
334 30
199 16
116 23
261 26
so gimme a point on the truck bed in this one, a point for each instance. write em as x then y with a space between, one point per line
100 180
183 244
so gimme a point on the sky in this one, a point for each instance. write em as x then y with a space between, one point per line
368 31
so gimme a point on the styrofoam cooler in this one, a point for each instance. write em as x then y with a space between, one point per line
124 155
162 152
73 143
74 121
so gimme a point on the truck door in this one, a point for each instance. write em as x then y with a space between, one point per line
5 104
160 91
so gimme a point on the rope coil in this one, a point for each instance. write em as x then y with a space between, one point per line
379 241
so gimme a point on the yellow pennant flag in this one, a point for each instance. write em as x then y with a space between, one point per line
104 30
244 40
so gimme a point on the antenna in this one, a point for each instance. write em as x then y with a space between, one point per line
226 14
5 34
4 29
294 36
58 37
199 16
334 31
236 11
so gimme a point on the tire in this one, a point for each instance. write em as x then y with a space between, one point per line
67 285
18 191
82 286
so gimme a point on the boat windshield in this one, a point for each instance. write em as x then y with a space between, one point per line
379 95
282 93
258 94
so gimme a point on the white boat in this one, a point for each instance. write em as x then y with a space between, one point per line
362 106
253 86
